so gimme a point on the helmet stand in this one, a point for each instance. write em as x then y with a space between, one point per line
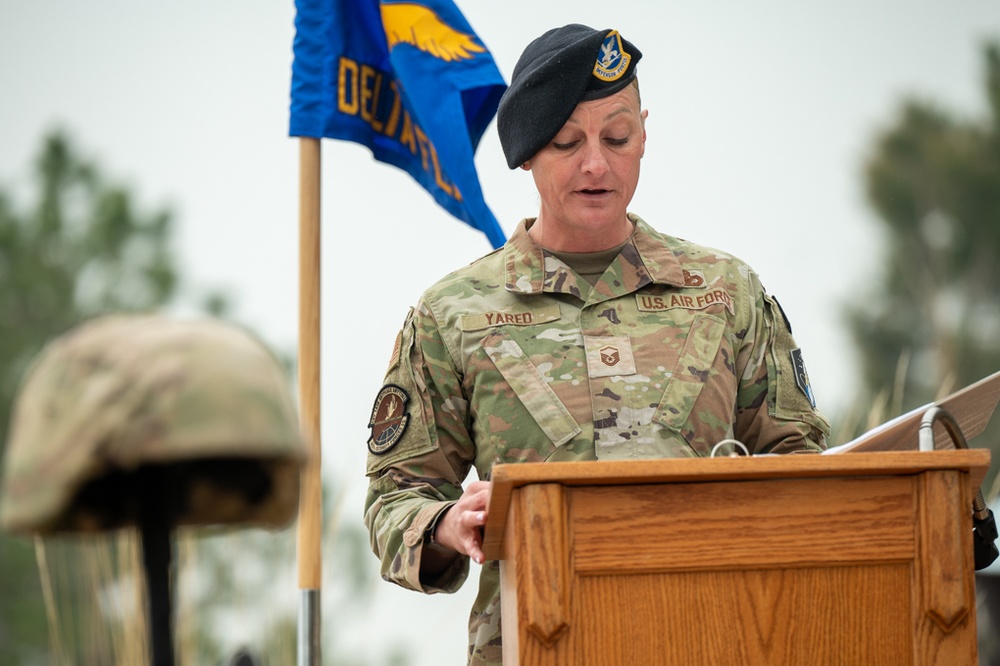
155 526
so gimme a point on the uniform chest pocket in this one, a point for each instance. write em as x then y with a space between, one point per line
532 390
695 368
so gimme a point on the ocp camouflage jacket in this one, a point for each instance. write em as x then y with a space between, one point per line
515 358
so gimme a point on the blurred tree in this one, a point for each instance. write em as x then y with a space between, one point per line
933 321
81 248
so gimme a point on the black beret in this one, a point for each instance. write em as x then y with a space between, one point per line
557 71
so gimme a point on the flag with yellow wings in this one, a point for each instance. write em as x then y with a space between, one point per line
410 80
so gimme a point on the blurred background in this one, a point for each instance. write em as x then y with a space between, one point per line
850 152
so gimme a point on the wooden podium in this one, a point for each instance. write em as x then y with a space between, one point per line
799 559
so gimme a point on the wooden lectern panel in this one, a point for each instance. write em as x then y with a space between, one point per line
717 525
817 560
782 616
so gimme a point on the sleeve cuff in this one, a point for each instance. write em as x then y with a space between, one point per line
415 539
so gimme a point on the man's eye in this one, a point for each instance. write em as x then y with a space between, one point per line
563 146
617 142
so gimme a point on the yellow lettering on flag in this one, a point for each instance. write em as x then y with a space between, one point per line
359 90
347 89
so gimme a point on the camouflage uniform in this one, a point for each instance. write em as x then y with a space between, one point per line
515 358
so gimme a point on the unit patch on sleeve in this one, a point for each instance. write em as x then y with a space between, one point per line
389 419
801 378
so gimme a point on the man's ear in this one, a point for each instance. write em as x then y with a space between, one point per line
643 115
527 165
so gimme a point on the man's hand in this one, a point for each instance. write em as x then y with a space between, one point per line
460 528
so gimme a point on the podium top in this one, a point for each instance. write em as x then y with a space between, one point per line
506 478
972 407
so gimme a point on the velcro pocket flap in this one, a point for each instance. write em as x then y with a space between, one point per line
691 371
531 388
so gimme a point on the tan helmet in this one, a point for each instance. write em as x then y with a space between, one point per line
197 412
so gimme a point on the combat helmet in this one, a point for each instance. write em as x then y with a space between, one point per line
196 414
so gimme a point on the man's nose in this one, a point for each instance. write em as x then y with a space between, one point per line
594 159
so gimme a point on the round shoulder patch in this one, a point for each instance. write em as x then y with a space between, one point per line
389 419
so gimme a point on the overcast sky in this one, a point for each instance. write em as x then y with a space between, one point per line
760 118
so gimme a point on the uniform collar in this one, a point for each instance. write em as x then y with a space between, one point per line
645 259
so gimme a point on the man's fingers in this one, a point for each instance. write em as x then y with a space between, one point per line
479 491
475 519
461 528
472 538
474 547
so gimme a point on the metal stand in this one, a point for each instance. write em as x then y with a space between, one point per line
156 557
984 526
309 653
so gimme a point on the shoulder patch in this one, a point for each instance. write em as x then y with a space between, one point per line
801 378
389 419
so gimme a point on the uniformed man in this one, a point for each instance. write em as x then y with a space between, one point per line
588 336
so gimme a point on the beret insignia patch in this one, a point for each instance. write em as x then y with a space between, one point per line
389 419
612 61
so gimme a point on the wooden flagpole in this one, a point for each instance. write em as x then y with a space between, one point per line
311 493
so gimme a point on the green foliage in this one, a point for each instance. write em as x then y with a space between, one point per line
934 181
23 632
79 248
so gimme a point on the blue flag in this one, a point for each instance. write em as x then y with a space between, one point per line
411 81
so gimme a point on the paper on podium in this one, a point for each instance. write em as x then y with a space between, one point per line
971 407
